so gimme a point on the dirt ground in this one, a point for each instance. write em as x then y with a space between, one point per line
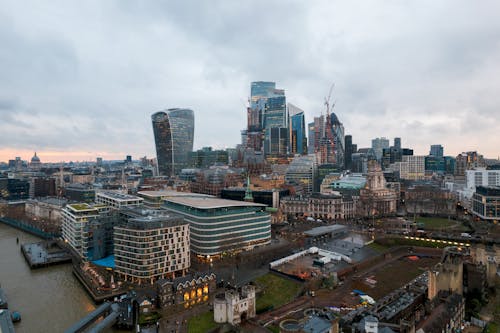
389 276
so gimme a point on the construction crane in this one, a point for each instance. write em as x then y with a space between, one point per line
327 99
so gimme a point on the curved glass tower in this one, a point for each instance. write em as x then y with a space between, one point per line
174 131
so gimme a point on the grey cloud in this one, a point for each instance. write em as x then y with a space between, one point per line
94 72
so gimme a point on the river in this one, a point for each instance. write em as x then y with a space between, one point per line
49 299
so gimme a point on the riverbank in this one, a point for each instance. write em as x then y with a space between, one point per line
49 299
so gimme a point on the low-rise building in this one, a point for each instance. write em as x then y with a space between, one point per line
235 305
328 206
186 290
486 203
117 200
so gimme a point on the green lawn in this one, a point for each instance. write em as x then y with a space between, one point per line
276 291
436 223
378 247
202 323
492 328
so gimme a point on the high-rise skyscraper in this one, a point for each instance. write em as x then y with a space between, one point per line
397 143
348 152
436 150
339 140
298 140
174 132
310 138
378 145
267 119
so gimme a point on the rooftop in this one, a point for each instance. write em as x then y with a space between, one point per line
81 207
211 202
162 194
326 230
117 196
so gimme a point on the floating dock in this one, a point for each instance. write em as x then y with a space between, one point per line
45 253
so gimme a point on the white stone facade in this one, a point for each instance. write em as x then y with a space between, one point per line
234 306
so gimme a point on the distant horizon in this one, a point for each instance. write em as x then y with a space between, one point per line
87 157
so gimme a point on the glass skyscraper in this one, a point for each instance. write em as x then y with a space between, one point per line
297 126
174 131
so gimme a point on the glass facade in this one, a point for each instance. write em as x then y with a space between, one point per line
298 141
219 229
174 132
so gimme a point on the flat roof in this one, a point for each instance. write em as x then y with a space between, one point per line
211 202
162 194
118 196
325 230
81 207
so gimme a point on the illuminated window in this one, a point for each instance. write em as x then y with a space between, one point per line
199 292
205 289
186 296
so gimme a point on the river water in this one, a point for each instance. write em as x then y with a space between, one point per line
49 299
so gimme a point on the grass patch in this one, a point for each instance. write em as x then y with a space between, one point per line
410 242
436 223
378 247
276 291
202 323
274 329
491 328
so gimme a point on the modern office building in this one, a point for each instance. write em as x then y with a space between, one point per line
302 171
482 177
436 150
412 167
219 225
207 157
298 140
348 152
117 200
338 140
174 132
79 192
397 143
151 245
75 218
310 138
467 161
486 203
378 145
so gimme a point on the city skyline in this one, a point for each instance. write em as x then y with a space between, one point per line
81 80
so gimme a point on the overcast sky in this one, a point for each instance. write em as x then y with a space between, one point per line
80 79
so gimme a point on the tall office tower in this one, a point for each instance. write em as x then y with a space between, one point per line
436 150
397 143
326 152
339 140
319 131
348 152
174 131
267 110
310 138
298 140
275 125
378 145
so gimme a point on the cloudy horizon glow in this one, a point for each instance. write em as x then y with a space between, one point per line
82 79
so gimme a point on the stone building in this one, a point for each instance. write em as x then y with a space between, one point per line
186 291
375 198
317 205
234 306
446 276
